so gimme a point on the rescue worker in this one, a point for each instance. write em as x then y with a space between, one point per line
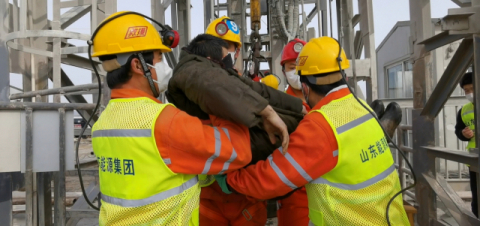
289 63
338 152
465 130
150 153
293 210
203 83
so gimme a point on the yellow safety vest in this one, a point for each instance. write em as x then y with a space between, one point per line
137 186
468 119
357 190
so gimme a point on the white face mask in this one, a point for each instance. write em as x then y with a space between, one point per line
164 73
469 97
293 79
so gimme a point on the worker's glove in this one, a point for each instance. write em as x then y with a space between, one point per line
222 181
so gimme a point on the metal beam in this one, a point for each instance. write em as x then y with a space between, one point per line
476 83
462 3
4 63
167 3
61 90
209 13
82 62
236 11
365 9
6 197
73 14
421 29
358 44
42 106
184 18
78 99
455 205
452 155
276 47
81 204
158 12
455 70
440 40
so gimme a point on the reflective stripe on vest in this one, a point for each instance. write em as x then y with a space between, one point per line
152 199
137 186
357 190
468 117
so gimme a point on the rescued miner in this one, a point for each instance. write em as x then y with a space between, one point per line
205 83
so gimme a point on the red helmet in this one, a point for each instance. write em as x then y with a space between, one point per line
292 49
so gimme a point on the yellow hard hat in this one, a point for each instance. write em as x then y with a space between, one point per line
319 56
125 34
270 80
226 29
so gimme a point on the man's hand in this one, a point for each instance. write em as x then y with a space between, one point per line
467 132
274 125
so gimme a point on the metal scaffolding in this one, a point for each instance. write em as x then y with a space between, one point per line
35 47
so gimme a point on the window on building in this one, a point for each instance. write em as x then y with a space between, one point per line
400 83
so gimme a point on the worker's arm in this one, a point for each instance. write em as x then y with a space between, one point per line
460 126
312 152
189 147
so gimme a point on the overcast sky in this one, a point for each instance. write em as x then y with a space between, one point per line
386 14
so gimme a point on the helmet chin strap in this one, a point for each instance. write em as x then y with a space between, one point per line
148 75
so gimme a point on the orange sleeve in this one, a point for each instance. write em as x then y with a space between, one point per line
189 147
312 152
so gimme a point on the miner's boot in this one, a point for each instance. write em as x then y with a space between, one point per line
378 107
391 118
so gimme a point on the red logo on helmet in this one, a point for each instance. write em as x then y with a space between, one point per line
136 32
301 60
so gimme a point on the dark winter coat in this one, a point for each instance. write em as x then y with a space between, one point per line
201 87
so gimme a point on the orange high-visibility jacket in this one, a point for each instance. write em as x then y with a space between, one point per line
193 148
309 156
299 94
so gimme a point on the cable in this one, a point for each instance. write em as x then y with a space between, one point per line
90 44
80 178
339 60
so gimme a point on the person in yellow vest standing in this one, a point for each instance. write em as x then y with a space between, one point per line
338 152
150 153
465 128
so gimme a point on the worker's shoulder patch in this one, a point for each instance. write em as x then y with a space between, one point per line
136 32
301 60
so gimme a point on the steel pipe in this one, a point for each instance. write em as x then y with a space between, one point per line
29 202
60 189
62 90
44 106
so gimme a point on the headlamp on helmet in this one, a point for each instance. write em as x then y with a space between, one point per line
298 47
221 28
